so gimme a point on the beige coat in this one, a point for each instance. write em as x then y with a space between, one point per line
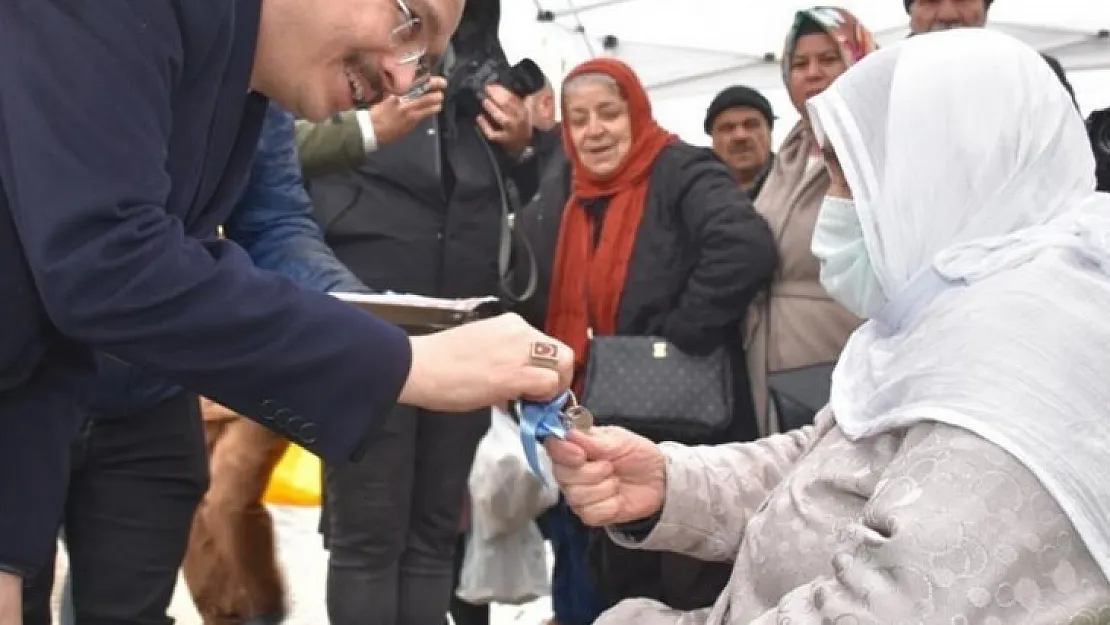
795 323
929 525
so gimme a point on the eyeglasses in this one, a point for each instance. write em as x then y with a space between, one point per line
408 39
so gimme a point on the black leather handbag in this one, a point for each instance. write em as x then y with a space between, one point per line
649 386
799 394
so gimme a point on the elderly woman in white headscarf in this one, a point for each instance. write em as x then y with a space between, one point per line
961 473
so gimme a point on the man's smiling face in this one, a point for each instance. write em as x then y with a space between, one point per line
316 57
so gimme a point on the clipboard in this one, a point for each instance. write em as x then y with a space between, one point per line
418 314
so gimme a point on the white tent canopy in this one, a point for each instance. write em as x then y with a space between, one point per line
687 51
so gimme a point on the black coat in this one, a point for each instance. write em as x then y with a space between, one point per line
424 213
699 257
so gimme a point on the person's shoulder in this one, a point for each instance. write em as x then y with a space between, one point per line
685 159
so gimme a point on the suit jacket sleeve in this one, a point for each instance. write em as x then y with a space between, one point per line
85 115
273 218
329 147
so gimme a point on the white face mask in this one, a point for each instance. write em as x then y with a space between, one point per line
846 271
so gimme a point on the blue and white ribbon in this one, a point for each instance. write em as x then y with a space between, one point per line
538 420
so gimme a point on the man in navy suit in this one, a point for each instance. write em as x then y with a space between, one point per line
126 133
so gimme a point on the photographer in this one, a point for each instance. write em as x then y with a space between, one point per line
422 213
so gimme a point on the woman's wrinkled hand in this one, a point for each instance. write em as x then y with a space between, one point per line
610 475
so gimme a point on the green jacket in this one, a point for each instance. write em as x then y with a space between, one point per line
329 147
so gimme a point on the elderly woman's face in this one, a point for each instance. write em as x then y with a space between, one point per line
816 63
600 126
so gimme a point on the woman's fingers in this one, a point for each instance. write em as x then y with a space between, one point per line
585 474
564 453
583 496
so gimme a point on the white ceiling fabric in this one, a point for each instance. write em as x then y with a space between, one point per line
687 51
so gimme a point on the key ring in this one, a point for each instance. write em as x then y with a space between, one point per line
576 415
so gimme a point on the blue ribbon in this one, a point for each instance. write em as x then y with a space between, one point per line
538 420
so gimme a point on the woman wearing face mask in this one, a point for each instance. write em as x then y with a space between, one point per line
794 323
654 239
959 473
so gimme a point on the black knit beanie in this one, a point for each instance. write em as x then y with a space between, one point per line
738 95
909 2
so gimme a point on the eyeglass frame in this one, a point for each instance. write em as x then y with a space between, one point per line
407 23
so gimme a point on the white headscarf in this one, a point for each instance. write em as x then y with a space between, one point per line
974 182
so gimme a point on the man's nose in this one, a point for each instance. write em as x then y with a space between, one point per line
397 78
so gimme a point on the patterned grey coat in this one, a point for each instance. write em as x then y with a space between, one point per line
930 525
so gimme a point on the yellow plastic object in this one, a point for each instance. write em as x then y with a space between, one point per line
295 480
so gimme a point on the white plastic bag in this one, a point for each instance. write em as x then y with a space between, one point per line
510 569
504 494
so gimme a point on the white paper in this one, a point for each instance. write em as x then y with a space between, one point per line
414 301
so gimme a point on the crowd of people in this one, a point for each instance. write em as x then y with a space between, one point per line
925 250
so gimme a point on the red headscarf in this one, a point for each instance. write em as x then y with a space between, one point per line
579 266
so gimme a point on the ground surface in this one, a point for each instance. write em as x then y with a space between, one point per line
305 563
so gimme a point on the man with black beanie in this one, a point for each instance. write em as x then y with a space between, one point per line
933 15
740 120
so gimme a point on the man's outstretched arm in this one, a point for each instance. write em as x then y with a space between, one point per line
86 114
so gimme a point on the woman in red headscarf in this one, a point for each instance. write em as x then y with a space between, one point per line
642 235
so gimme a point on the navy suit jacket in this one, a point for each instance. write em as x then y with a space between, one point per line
126 135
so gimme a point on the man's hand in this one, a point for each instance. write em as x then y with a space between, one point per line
609 475
11 599
513 129
393 117
485 363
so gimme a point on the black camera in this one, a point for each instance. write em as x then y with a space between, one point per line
523 79
1098 128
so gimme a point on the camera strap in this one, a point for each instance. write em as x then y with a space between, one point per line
505 266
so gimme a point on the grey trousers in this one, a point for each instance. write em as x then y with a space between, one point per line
392 519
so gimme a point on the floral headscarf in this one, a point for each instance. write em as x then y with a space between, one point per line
854 39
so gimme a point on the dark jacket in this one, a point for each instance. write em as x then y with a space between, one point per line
273 222
126 135
700 256
424 213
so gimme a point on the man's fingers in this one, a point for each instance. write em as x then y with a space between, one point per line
500 95
495 112
539 383
486 128
429 99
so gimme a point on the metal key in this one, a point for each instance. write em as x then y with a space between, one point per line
580 418
576 415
